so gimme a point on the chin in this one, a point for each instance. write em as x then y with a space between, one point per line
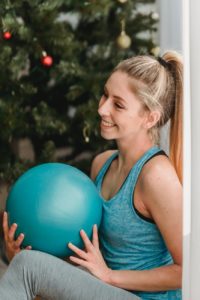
107 136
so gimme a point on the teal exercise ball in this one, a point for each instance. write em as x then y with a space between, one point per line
51 203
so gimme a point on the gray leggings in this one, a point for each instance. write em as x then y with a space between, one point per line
32 273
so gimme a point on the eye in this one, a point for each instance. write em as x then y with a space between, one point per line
118 105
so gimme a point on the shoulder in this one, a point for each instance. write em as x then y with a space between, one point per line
159 168
99 161
159 182
162 196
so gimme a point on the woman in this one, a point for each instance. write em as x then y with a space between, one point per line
141 230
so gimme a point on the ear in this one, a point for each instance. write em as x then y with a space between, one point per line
152 118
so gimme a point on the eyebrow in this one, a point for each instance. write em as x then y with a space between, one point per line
115 96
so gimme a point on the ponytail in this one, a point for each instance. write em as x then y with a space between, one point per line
176 125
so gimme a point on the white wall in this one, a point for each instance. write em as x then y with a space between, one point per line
192 274
187 156
179 29
169 37
170 25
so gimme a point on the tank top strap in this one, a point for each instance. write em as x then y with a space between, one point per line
105 167
135 171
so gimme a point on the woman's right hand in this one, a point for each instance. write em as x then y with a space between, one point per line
12 245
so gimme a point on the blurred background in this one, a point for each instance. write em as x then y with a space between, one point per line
55 57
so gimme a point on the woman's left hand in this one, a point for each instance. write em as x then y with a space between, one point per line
91 258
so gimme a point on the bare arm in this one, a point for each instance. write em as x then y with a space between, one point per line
162 195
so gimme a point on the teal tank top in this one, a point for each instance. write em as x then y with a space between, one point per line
128 241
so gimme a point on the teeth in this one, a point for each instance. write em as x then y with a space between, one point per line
106 123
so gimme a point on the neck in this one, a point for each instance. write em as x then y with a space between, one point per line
131 151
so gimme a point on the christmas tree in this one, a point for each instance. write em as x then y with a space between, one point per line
54 59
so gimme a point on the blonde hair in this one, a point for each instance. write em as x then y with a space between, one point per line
158 83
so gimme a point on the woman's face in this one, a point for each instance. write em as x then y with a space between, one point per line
122 114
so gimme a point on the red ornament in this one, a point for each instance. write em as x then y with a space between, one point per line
7 35
47 61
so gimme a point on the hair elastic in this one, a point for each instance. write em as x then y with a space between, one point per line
163 62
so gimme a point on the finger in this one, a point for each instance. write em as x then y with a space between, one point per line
11 232
78 251
19 240
5 224
86 240
95 238
79 261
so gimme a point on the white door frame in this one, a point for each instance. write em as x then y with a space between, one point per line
190 32
186 154
191 261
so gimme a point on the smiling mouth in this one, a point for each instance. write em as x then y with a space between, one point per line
107 124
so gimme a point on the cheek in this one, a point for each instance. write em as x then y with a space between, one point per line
133 120
132 117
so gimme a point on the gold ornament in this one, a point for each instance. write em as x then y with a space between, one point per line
86 132
123 40
155 51
155 16
122 1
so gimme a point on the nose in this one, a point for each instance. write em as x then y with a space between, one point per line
104 107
